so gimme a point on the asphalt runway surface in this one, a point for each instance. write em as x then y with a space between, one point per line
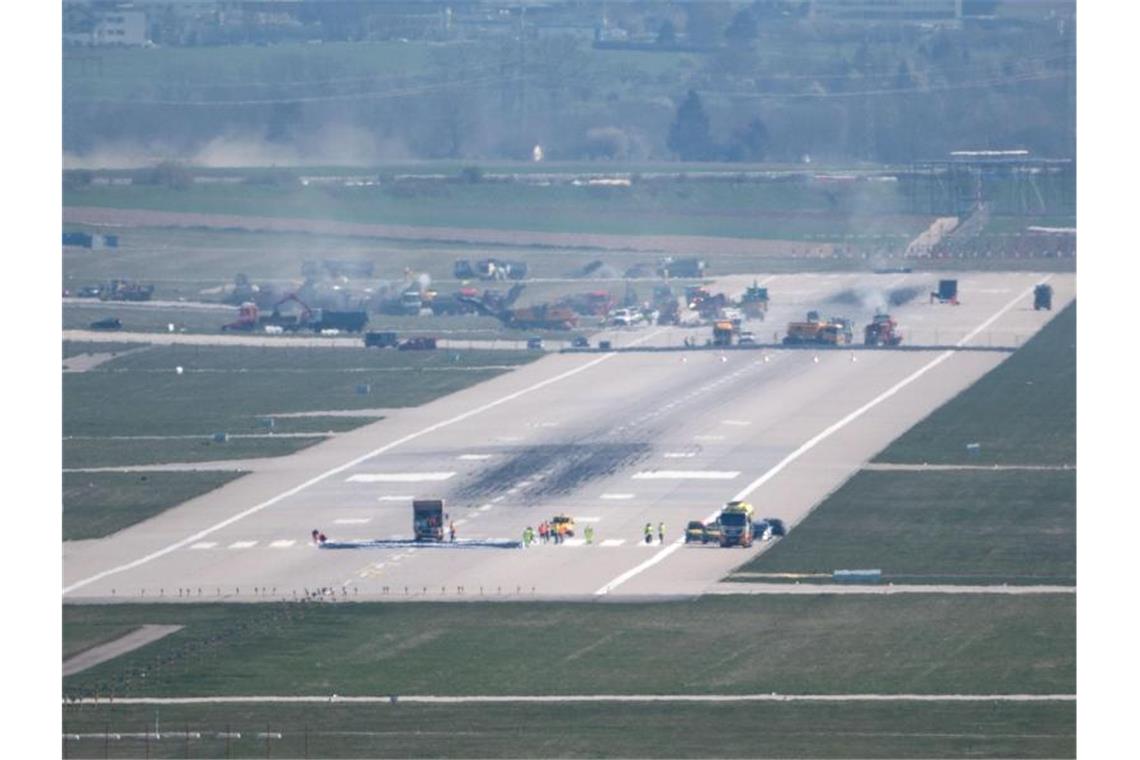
614 439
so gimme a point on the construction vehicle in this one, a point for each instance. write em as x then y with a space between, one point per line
830 332
736 524
463 270
496 269
725 332
417 344
428 519
540 317
754 302
1043 297
670 267
292 322
697 532
624 317
110 323
247 320
125 290
562 524
380 340
947 292
345 321
882 331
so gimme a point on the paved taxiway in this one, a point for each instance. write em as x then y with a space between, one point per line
617 440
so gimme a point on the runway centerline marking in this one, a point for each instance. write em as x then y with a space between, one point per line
818 438
283 543
205 545
352 520
617 496
395 498
475 457
242 544
341 468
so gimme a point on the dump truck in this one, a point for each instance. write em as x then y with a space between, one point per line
754 302
428 519
882 331
725 332
374 339
347 321
125 290
736 524
670 267
947 292
834 331
1043 297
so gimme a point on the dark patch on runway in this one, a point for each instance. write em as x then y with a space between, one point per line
563 468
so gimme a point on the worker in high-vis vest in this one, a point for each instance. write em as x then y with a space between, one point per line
661 532
589 534
648 533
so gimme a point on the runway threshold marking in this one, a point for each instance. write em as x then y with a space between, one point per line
283 543
399 477
243 544
341 468
687 475
822 436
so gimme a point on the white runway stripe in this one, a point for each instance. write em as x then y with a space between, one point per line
680 454
284 543
399 477
687 475
395 498
573 542
474 457
587 519
617 496
352 520
613 542
204 545
242 544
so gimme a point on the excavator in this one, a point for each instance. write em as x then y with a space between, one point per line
540 317
249 317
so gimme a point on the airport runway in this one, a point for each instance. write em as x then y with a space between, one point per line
616 440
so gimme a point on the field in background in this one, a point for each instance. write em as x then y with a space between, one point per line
775 730
775 211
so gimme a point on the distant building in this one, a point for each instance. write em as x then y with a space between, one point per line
118 27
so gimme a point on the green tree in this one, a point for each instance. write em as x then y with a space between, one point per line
743 30
749 143
689 135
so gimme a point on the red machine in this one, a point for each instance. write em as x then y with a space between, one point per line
883 331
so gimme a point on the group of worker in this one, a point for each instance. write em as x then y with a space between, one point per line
553 533
649 532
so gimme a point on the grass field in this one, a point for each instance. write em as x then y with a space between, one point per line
778 730
230 389
96 504
77 348
79 637
940 527
102 452
778 211
827 644
1023 412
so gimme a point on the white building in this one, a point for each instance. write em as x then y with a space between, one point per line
119 28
